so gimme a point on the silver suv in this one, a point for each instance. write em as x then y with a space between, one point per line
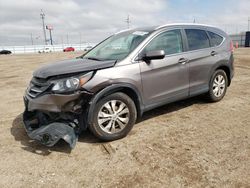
129 73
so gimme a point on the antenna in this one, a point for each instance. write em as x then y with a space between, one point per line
128 21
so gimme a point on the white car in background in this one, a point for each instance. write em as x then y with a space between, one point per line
88 48
46 50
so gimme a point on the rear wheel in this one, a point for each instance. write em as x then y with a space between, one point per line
114 117
218 86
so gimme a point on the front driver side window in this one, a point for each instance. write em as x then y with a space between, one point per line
169 41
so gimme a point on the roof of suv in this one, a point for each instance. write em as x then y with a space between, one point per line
154 28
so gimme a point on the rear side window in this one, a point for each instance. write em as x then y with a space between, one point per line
197 39
169 41
216 40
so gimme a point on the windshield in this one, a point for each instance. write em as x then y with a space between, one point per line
118 46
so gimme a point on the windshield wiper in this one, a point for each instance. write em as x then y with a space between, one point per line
94 58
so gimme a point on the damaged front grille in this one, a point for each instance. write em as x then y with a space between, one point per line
37 86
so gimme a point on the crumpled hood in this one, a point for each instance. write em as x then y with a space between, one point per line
71 66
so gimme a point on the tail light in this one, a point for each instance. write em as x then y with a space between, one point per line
231 46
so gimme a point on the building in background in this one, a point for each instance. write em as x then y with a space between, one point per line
247 43
243 39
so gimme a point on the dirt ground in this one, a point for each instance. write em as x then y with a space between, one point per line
189 143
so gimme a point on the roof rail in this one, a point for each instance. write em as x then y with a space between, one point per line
179 24
122 31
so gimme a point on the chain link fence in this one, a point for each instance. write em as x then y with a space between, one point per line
45 48
239 38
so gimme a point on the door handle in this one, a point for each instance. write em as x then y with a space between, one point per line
183 61
214 53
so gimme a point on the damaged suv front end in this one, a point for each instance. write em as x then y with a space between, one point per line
99 90
55 102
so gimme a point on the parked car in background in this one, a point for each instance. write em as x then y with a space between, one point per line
5 52
108 88
88 48
46 50
69 49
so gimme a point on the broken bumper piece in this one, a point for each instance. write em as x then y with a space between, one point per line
38 128
50 134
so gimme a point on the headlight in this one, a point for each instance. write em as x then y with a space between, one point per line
71 84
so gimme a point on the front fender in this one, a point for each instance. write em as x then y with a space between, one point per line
111 89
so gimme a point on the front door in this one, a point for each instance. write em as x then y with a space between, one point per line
165 80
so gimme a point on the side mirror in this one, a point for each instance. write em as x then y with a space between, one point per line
153 55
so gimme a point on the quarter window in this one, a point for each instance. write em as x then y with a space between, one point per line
169 41
215 39
197 39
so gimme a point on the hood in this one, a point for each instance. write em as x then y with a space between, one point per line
72 66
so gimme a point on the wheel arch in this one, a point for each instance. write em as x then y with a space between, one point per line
223 66
227 71
128 89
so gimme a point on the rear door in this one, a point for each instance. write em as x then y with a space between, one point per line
201 58
167 79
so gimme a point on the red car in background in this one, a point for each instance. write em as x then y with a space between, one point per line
69 49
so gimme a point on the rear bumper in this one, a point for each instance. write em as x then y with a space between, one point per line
232 66
52 117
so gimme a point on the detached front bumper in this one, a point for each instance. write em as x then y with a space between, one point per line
51 117
50 134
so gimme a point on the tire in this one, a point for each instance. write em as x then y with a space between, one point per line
106 125
218 80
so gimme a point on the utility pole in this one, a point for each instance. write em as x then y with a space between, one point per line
51 40
50 28
44 31
128 21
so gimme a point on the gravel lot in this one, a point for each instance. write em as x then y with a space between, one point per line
189 143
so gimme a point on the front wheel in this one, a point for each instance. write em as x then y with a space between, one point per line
114 116
218 86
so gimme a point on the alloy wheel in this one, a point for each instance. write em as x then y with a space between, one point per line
113 116
219 85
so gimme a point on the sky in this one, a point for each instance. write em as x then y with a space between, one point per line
79 21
